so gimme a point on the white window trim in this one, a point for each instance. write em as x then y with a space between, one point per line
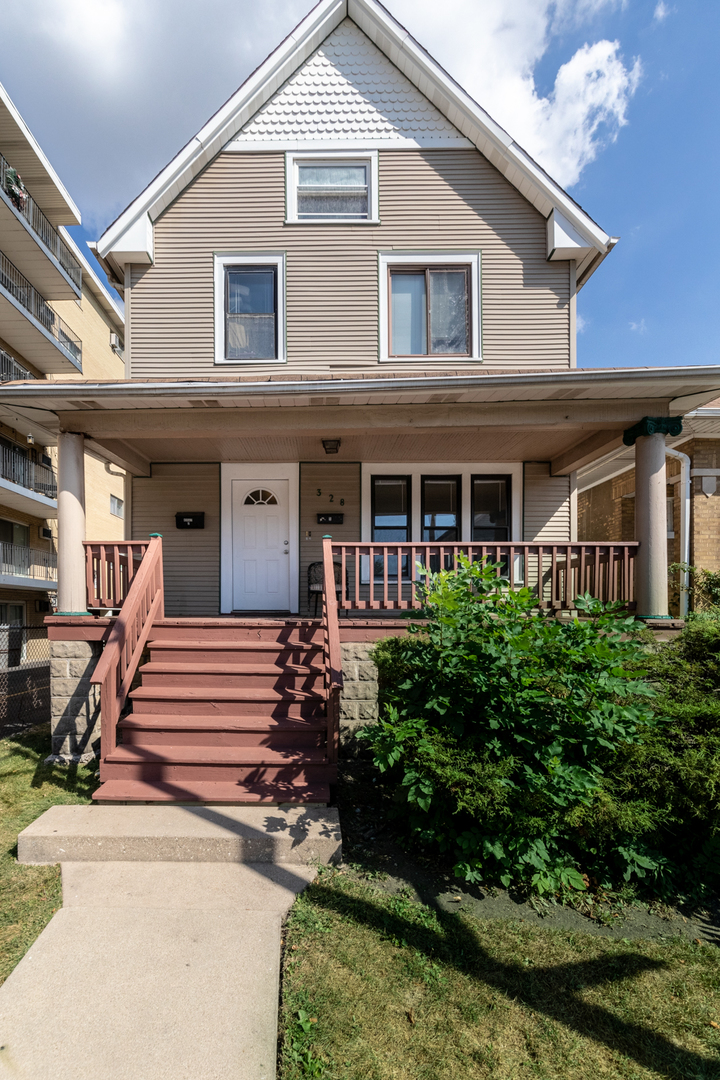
351 157
450 468
473 259
263 473
249 258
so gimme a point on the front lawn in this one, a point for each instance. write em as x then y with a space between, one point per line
29 895
379 987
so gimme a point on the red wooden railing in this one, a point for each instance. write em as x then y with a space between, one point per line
331 651
110 569
144 602
557 573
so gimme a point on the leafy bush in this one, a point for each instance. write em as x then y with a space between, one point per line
501 725
703 585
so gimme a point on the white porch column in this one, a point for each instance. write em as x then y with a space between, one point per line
71 523
651 525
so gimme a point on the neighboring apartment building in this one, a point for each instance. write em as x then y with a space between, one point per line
57 321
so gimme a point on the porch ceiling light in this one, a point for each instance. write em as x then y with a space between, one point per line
331 445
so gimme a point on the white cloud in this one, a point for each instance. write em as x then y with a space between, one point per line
113 88
639 327
662 11
581 324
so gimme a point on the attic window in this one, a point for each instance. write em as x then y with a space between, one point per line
332 188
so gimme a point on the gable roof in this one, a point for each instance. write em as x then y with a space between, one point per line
571 232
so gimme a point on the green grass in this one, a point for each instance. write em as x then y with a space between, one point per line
29 895
379 987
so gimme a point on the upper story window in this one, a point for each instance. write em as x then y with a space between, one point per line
250 308
333 188
430 305
430 311
117 507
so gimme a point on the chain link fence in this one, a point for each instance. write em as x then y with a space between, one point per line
24 677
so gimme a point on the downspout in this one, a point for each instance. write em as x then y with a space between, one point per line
684 525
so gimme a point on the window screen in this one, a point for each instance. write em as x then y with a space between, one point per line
441 509
327 192
491 508
251 313
429 312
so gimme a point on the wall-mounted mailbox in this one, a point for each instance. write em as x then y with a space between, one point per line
190 520
330 519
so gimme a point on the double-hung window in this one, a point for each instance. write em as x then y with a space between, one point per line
430 305
430 311
390 516
332 188
249 309
491 508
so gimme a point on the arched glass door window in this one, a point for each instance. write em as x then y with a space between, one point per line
260 497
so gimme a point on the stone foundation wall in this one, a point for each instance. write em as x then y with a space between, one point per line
359 697
74 702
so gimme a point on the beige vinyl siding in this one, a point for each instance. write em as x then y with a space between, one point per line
546 504
429 200
342 480
191 557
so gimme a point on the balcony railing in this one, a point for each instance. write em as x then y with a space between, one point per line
24 203
21 470
18 286
10 370
29 562
367 574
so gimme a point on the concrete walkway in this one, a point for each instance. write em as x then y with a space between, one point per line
159 969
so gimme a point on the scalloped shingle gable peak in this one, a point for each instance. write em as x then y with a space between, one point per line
349 90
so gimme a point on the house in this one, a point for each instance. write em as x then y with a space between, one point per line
57 322
606 498
350 349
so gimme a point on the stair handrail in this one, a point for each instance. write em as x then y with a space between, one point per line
332 653
115 671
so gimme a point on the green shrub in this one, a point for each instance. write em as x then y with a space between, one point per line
501 725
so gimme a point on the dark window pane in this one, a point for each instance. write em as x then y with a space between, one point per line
440 509
408 315
448 311
251 292
250 325
490 510
390 519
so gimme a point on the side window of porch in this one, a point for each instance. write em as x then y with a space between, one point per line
491 508
390 509
441 509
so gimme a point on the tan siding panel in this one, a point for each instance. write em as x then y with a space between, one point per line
342 480
429 200
546 504
191 557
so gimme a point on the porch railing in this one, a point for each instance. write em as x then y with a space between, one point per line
143 604
19 469
331 651
110 570
386 576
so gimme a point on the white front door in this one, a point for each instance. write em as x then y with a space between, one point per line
261 545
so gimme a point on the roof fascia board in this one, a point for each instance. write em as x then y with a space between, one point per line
555 379
37 150
415 63
230 118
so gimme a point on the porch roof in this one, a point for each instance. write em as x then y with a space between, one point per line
567 417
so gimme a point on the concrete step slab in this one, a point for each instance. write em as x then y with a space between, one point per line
182 833
210 886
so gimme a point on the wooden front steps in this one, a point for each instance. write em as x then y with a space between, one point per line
228 711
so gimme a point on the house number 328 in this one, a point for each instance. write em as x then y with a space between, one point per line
331 497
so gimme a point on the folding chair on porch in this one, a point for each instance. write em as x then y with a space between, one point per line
315 582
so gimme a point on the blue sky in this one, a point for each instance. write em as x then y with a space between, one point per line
618 99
